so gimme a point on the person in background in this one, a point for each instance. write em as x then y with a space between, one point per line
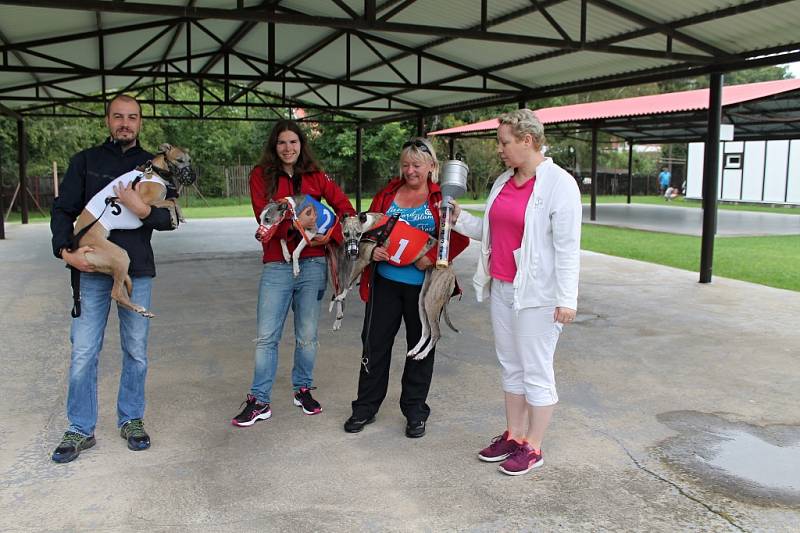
528 267
664 179
287 168
392 295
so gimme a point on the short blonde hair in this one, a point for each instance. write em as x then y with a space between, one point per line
522 122
421 149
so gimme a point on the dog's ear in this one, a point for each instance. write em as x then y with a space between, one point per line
164 148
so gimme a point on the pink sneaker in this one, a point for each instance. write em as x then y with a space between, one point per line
500 448
522 461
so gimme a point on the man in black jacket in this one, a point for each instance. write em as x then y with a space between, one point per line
89 171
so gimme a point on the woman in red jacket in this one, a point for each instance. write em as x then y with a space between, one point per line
287 168
394 290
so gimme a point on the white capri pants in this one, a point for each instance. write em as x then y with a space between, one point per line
525 342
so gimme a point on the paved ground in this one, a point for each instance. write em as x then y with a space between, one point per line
678 410
688 220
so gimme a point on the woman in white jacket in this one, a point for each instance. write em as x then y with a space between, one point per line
528 267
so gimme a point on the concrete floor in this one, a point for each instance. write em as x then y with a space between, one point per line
689 221
658 377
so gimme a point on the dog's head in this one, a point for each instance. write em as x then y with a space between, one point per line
174 163
273 214
353 227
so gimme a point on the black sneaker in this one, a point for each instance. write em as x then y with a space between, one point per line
303 398
133 431
253 412
355 424
72 444
415 429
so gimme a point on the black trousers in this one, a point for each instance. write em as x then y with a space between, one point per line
389 303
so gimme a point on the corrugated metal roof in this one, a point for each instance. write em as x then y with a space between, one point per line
525 51
641 105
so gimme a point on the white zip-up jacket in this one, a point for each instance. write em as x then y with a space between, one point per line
548 260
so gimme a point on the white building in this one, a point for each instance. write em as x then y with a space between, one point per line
750 171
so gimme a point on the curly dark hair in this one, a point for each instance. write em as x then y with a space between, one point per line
272 164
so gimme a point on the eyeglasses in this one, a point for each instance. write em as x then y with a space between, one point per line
419 144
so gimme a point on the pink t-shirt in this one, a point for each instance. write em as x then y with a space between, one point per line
506 226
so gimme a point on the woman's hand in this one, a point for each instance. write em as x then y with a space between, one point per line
456 211
565 315
380 253
423 263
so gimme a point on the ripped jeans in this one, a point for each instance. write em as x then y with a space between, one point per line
278 290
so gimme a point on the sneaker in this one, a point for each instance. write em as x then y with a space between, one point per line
499 450
415 429
71 445
522 461
355 424
253 412
133 431
303 398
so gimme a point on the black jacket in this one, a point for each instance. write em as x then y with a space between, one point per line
89 171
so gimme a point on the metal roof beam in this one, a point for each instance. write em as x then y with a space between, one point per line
366 23
666 29
22 60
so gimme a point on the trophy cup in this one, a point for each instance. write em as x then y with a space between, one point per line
453 181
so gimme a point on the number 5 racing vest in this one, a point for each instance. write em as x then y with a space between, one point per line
116 215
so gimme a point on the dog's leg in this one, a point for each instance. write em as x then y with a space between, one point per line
436 297
285 249
426 330
296 257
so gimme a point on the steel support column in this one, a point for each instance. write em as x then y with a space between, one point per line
630 170
420 126
359 170
594 172
451 147
22 155
711 177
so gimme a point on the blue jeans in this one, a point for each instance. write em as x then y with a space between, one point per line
88 331
278 290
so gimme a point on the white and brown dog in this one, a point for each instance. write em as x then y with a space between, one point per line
314 221
103 214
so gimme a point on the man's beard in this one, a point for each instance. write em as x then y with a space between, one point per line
126 139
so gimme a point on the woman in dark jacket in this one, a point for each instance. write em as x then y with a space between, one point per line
287 168
392 294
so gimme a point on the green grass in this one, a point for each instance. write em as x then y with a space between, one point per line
773 261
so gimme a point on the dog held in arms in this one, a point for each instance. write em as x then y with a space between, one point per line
437 289
103 213
314 221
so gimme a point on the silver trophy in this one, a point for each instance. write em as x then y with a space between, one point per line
453 181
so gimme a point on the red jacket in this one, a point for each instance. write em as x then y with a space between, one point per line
316 184
381 203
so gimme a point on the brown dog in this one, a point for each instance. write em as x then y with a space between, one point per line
102 214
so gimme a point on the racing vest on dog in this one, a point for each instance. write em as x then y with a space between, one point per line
324 217
113 215
405 241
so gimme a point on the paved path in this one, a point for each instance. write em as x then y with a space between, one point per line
658 379
688 220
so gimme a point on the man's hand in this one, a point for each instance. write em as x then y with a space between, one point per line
565 315
129 197
77 259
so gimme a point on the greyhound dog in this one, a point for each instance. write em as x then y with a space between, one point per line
343 260
437 289
103 214
314 221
